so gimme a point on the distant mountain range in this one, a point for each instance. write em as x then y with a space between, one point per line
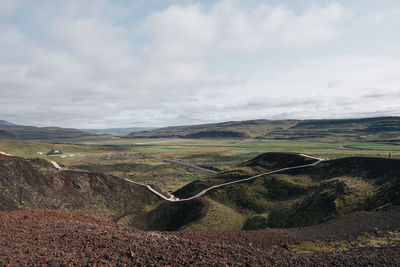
9 130
386 127
120 130
6 123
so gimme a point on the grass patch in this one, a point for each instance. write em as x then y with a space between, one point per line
367 240
151 205
219 217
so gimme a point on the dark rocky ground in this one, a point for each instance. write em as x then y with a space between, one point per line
62 238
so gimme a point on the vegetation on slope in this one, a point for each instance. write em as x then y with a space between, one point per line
387 127
19 132
297 197
218 217
238 129
310 195
171 216
36 184
262 163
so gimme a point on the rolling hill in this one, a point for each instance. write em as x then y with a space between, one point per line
300 197
344 212
118 130
12 131
386 127
291 198
35 184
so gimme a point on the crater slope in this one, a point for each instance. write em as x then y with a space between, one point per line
299 197
36 184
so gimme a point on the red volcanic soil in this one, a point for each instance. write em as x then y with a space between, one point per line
61 238
347 227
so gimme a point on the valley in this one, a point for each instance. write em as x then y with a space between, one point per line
199 133
296 193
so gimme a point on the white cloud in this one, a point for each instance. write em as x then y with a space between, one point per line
8 7
381 16
231 27
85 63
92 40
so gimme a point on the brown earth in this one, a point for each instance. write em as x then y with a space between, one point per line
347 227
62 238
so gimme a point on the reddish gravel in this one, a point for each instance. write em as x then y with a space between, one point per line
347 227
61 238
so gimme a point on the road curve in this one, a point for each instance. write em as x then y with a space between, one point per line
247 179
173 199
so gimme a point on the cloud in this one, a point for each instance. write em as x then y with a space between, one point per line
232 26
8 7
381 16
84 63
368 85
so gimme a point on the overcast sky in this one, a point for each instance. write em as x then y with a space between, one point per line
107 63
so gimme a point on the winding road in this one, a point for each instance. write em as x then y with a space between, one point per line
173 199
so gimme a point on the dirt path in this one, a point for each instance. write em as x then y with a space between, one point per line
55 164
248 179
174 199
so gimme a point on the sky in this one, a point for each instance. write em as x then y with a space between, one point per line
114 63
